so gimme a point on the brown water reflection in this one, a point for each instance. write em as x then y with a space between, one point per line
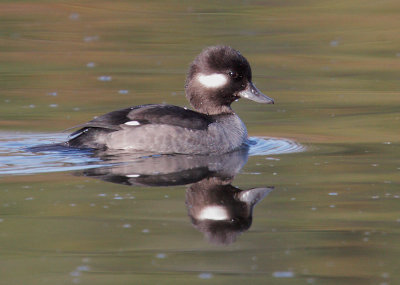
216 208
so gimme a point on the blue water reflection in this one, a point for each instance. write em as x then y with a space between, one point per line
16 157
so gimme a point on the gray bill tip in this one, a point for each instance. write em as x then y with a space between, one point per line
252 93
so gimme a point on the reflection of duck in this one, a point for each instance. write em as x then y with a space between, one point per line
216 208
220 210
166 170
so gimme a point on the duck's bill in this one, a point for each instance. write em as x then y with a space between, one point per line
252 93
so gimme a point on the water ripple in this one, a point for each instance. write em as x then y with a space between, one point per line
15 160
273 146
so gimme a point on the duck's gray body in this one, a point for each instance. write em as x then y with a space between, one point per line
163 129
217 77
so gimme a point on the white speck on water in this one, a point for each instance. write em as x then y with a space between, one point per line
293 198
52 94
126 226
385 275
90 64
29 198
104 78
145 231
133 175
105 207
310 280
313 208
76 109
75 273
396 196
91 38
83 268
74 16
283 274
332 206
333 194
272 158
53 105
334 43
374 164
1 220
387 182
166 196
72 204
205 275
122 91
387 143
118 198
102 195
92 204
375 197
161 255
254 267
275 173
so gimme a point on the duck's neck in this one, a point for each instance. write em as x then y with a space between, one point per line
209 105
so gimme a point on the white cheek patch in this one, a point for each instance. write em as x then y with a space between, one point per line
214 80
216 213
132 123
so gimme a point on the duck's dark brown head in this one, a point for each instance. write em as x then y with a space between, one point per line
218 76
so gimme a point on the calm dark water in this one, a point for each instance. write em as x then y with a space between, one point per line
315 199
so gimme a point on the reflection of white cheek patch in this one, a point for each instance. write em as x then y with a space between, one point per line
216 213
214 80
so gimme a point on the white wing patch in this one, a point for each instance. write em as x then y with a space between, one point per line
132 123
216 213
214 80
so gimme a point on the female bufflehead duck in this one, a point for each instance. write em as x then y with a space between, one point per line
218 76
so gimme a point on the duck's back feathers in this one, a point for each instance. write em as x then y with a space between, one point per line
91 134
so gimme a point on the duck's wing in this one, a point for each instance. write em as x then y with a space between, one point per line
169 115
149 114
135 117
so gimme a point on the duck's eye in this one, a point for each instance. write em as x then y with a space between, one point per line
234 75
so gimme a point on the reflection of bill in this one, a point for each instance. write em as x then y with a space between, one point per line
216 208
